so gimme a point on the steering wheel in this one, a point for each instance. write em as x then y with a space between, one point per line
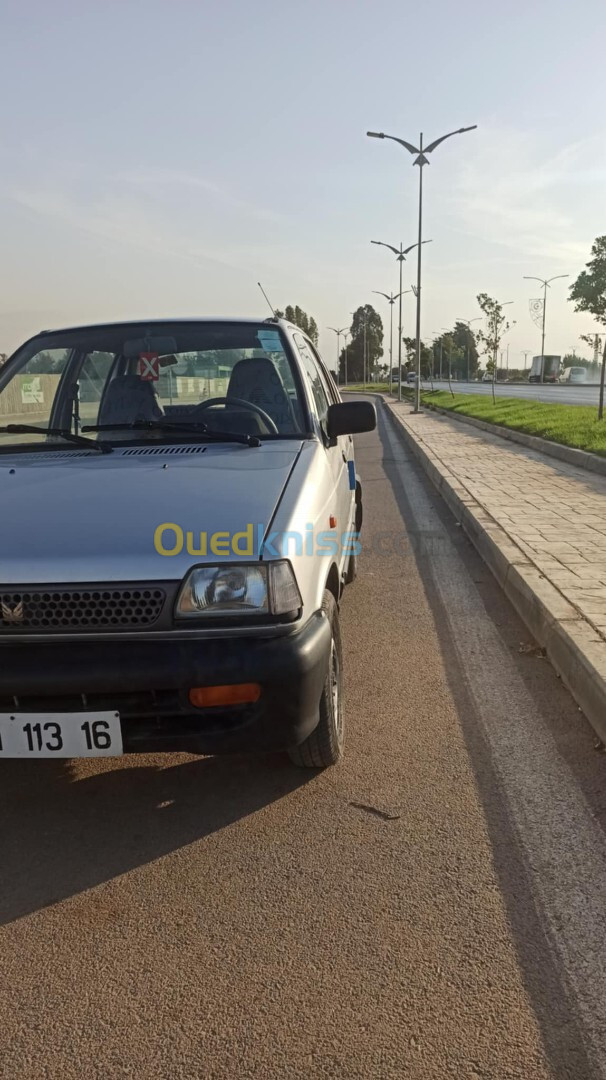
266 418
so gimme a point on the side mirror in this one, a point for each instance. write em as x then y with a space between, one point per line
350 418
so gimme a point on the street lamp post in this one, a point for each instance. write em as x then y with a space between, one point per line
468 323
400 254
441 340
391 299
338 333
525 354
445 330
420 160
365 316
364 354
346 334
545 283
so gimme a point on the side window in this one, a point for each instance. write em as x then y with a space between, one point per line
29 397
314 378
329 382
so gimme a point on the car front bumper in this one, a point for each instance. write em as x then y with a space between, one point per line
148 684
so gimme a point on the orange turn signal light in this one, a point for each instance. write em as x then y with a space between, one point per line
204 697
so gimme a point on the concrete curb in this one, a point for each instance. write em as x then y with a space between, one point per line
580 458
574 648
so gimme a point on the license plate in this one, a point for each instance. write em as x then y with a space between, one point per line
60 735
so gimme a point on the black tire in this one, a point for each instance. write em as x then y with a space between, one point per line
324 746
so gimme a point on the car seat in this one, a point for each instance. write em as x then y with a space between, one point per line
257 380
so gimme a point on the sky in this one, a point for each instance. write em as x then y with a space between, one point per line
160 158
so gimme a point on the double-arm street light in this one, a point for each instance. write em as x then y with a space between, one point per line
400 254
338 333
420 153
468 323
545 283
391 299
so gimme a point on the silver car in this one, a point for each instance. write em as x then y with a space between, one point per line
180 513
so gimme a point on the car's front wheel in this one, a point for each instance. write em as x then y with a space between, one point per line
325 744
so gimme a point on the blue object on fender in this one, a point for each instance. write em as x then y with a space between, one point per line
351 466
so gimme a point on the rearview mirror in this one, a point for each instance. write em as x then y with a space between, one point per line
350 418
160 345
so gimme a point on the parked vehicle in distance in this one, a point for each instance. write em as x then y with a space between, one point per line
487 376
545 369
575 375
180 513
411 377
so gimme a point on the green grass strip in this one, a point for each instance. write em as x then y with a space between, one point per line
571 425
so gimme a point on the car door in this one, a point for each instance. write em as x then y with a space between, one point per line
339 452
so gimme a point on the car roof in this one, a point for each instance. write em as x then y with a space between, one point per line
271 320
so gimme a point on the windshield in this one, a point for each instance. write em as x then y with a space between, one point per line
226 377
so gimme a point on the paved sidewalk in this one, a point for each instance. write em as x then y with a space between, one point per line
545 519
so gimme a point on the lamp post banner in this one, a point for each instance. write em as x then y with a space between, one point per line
536 311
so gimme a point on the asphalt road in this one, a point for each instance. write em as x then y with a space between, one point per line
431 908
558 393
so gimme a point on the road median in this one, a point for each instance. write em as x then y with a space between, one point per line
540 527
573 428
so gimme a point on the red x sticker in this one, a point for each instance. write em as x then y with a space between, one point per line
148 367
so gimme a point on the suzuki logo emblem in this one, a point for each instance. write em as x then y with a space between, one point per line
13 614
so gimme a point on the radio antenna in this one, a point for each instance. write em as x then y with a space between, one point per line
267 298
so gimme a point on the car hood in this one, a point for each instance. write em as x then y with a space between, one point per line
69 517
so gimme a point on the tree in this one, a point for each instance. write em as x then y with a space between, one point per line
46 364
427 364
457 347
571 360
466 365
496 326
357 369
594 340
588 293
300 318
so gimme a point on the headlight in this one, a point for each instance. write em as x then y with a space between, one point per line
265 589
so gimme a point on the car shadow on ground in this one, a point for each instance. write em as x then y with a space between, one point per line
65 830
544 977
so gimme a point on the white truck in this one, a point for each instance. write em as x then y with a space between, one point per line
545 369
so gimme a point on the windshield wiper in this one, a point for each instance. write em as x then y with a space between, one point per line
202 430
77 440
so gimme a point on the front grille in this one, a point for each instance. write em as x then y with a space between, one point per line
129 703
151 720
80 608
